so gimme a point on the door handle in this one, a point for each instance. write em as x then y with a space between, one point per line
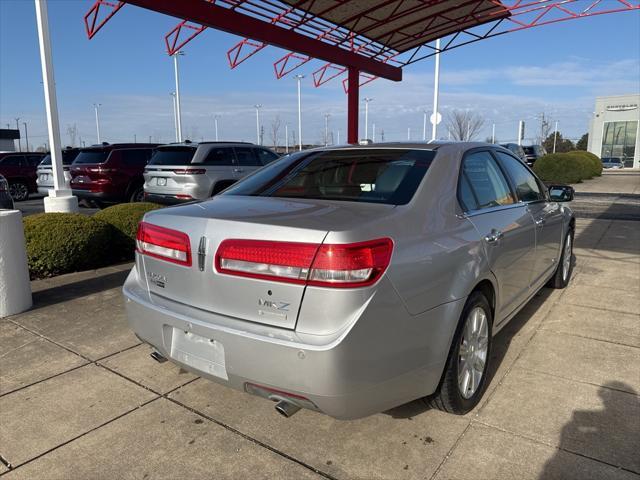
238 170
494 237
539 222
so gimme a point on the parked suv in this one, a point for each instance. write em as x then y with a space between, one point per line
45 170
517 150
19 168
612 162
111 173
533 153
188 171
6 202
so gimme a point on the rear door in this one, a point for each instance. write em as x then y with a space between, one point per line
12 167
248 161
505 226
220 164
547 215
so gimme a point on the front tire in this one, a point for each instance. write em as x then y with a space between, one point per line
19 191
562 276
137 195
465 376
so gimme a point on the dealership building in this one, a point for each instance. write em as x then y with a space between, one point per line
614 129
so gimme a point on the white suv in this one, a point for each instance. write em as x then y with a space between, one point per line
182 172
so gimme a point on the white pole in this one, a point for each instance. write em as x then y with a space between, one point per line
493 133
175 115
258 106
555 136
424 127
18 128
436 82
326 129
60 198
338 137
178 106
409 133
286 138
373 136
366 117
96 106
299 78
215 122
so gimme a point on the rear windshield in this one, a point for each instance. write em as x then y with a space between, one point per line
529 150
91 156
67 158
388 176
172 156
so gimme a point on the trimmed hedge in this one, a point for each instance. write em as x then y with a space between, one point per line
123 220
65 242
570 167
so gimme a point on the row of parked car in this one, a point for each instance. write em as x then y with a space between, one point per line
131 172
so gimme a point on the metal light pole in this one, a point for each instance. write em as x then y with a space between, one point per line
338 137
424 126
175 114
60 198
178 106
555 136
18 128
366 117
258 107
493 133
299 78
373 129
26 134
326 129
215 122
95 107
436 85
286 138
408 133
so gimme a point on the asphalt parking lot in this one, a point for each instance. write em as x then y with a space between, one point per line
35 204
81 398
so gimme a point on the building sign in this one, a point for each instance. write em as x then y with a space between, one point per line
622 108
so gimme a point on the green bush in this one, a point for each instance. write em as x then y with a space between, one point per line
64 242
564 168
124 219
593 160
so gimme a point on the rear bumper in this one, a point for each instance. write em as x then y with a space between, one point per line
165 199
356 373
89 195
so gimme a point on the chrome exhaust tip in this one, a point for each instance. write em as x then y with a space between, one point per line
286 409
157 357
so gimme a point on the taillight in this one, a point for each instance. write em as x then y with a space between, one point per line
163 243
328 265
189 171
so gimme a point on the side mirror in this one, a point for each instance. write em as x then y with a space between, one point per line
561 193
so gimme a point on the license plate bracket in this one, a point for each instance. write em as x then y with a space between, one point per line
201 353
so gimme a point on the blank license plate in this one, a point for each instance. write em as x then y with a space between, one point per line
44 177
161 182
204 354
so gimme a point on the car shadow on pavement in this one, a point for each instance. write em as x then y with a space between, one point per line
593 428
81 288
499 349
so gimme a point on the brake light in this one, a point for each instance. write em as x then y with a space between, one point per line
163 243
189 171
332 265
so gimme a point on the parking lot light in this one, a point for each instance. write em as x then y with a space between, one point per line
299 78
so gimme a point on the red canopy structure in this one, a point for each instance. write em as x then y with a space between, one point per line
363 39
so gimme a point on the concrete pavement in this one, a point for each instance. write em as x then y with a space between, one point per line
81 398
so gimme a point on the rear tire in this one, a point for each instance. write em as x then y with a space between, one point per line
465 377
19 191
562 276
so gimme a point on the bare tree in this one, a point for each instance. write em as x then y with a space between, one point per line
274 132
464 124
72 131
545 128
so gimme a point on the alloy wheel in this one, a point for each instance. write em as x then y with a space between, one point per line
566 257
18 191
472 354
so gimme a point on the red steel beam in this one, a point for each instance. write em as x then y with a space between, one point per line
353 106
220 18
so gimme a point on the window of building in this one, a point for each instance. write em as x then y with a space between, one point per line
619 141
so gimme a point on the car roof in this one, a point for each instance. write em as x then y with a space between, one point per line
113 146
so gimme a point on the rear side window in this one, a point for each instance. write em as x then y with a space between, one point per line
12 161
220 157
247 157
67 158
489 187
135 157
360 175
172 156
34 160
91 156
526 186
265 156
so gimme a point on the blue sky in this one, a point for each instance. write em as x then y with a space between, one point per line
557 69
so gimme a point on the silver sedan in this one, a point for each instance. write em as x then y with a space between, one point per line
352 280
